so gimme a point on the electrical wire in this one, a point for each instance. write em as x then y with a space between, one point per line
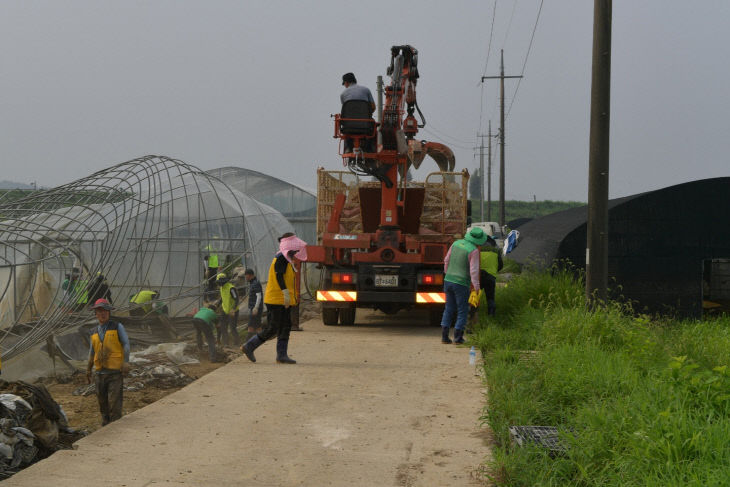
446 142
486 64
509 25
444 134
529 47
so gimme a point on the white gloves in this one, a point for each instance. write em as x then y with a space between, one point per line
287 298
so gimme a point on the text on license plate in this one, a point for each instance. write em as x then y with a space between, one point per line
385 280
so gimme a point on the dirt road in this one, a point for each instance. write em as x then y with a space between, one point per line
375 404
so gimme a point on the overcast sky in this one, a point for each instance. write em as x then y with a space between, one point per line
88 84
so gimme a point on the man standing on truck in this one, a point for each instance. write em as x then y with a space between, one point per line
461 266
279 296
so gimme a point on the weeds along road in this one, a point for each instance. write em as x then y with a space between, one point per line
381 403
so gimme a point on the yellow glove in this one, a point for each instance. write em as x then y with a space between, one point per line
474 299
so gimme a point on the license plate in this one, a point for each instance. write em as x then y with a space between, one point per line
386 280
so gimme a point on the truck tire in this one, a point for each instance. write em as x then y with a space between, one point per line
434 316
347 316
330 316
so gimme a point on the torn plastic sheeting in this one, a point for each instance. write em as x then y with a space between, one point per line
174 351
10 400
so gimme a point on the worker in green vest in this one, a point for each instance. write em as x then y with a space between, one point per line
490 263
204 321
142 302
229 306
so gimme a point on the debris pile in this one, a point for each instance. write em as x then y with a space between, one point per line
156 366
32 426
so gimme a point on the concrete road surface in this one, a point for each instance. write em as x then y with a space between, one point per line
381 403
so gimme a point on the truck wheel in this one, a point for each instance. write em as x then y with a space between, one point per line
347 316
434 316
329 316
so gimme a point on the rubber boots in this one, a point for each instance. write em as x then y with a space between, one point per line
459 337
251 345
445 335
281 356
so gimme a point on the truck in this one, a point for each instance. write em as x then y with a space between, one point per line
382 237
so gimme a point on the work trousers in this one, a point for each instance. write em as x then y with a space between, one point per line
203 328
279 323
109 388
224 324
457 304
254 322
487 282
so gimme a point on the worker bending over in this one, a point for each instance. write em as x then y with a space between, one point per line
142 302
204 321
490 263
461 268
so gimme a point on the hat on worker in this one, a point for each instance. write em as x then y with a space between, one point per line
348 78
102 303
293 246
476 235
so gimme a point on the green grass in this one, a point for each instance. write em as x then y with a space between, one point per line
639 401
521 209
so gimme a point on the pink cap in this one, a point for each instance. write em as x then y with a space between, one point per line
103 304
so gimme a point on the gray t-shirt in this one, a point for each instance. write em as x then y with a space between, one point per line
356 92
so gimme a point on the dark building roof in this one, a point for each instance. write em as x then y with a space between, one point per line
658 242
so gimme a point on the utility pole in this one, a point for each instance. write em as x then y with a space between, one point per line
597 228
501 77
481 177
489 174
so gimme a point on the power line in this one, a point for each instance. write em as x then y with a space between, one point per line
447 142
444 134
509 25
489 51
491 31
529 47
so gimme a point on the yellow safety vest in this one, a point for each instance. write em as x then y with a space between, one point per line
81 290
212 257
273 294
489 261
143 297
227 302
110 353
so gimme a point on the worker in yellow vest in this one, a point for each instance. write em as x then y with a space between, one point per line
279 296
229 306
490 263
142 302
109 355
210 267
76 288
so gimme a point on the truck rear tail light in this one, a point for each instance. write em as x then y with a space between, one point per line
431 279
343 278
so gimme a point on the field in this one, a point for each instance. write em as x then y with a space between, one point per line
514 209
638 400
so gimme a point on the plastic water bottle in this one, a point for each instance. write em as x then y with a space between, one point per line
472 356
